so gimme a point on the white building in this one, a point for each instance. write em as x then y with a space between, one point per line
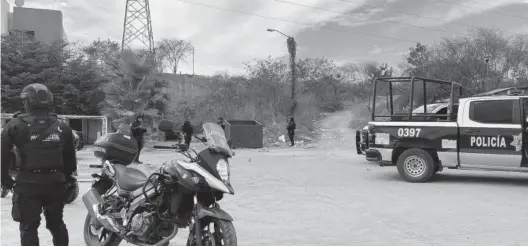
44 25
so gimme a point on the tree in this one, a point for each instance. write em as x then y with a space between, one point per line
419 58
73 80
463 59
80 87
173 52
136 91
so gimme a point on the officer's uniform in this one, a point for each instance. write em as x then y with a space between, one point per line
220 122
47 154
137 133
188 130
291 130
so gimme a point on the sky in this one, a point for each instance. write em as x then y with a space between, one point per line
228 33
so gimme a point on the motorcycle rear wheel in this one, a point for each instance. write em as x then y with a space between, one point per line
97 235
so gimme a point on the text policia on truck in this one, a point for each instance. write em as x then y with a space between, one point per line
481 132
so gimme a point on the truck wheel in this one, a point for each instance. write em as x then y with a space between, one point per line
416 165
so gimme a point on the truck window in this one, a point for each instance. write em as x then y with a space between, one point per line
493 112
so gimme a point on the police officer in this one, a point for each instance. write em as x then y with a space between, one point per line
220 121
137 130
187 130
47 158
291 130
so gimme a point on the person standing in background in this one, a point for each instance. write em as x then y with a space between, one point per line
220 122
291 130
187 130
138 130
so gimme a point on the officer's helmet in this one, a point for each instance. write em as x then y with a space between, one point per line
36 95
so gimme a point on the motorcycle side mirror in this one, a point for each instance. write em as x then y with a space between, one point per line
203 139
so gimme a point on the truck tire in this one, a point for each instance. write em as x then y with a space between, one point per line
416 165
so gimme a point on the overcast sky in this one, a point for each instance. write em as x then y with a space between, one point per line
342 30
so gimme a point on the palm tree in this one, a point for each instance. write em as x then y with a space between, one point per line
134 90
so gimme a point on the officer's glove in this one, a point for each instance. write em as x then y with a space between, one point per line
6 188
8 183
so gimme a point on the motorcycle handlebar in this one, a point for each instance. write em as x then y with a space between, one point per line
180 147
165 147
96 166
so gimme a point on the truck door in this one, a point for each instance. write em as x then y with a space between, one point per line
491 133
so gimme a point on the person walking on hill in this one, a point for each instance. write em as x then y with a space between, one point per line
187 130
291 130
138 130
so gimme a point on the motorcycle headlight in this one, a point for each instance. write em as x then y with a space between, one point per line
223 170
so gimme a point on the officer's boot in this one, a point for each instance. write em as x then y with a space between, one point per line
59 234
29 234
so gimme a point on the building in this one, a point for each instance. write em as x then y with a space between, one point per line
44 25
91 127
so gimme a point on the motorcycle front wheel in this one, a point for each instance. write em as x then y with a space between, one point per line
96 235
216 232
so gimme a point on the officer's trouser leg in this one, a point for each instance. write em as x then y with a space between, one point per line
140 146
53 209
291 135
188 140
29 208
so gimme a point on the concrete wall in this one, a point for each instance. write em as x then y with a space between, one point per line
46 23
4 15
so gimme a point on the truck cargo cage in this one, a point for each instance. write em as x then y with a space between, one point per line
454 89
512 91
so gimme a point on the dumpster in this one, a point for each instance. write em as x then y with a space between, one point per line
245 133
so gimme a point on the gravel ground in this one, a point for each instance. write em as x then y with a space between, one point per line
331 196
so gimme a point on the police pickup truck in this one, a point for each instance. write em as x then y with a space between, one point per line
486 132
361 135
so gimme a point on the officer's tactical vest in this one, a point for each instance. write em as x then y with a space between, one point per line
44 147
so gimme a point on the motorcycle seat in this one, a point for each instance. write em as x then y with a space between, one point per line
129 179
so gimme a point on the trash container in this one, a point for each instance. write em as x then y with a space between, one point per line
245 133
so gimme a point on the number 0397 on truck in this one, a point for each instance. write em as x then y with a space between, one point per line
482 132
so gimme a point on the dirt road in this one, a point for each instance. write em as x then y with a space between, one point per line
330 196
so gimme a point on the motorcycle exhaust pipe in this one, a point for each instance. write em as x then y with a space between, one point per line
92 200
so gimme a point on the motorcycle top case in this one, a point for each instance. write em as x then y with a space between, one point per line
116 147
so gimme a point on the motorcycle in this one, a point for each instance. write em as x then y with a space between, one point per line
125 203
72 185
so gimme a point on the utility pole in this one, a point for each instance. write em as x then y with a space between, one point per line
193 59
487 70
292 50
137 26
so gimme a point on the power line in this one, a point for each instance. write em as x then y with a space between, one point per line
299 23
524 13
352 14
420 16
471 7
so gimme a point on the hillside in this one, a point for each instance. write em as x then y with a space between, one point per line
184 86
